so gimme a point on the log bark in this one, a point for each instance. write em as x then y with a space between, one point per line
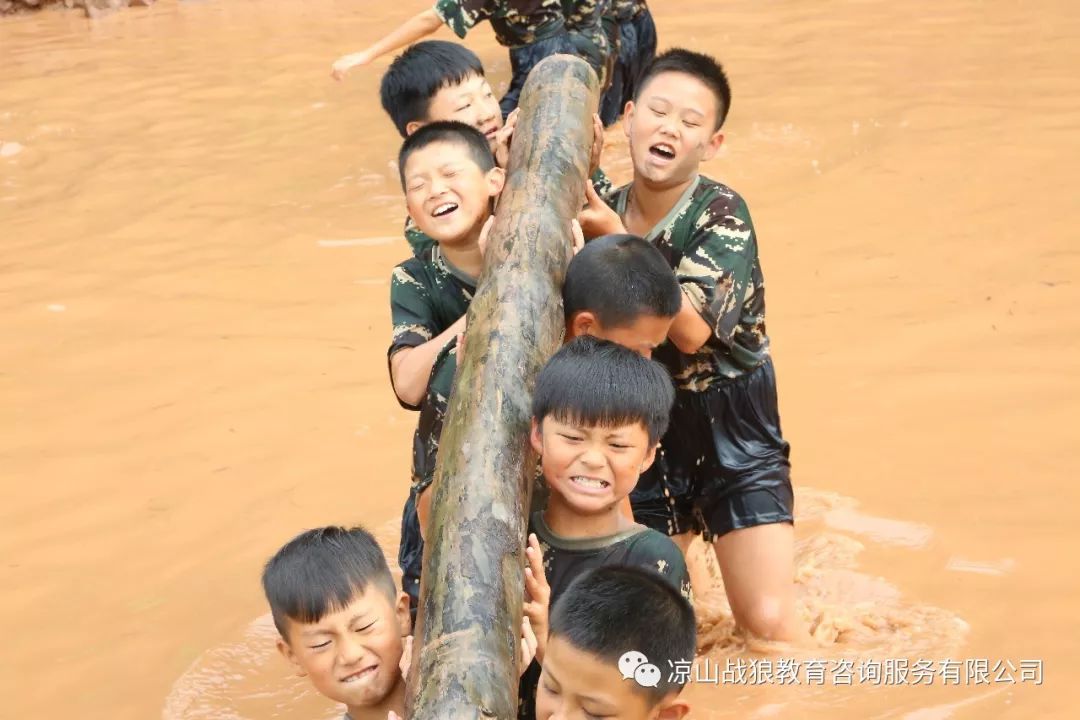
467 640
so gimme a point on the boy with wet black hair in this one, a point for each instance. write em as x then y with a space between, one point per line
607 629
726 471
531 29
341 620
599 410
450 179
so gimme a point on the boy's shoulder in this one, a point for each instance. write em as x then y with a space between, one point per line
703 194
417 239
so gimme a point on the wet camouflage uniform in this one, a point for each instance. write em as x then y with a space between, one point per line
632 36
724 463
417 239
567 559
427 295
531 29
583 20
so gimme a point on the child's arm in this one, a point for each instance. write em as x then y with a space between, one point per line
714 273
415 28
410 367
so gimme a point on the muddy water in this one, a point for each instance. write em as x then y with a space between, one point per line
197 229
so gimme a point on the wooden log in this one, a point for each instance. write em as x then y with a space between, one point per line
466 656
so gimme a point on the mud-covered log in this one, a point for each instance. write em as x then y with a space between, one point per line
466 650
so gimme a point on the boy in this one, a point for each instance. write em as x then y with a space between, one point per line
604 615
450 178
341 621
726 460
531 29
617 288
632 38
599 410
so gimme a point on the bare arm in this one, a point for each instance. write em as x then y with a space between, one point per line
689 331
415 28
410 368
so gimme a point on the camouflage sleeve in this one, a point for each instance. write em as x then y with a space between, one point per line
412 311
716 268
462 15
655 551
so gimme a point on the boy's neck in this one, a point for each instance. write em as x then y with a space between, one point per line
565 522
647 205
394 701
465 255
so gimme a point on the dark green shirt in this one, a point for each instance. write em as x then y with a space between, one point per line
709 241
623 10
418 241
515 22
583 18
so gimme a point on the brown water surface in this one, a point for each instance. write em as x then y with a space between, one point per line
197 229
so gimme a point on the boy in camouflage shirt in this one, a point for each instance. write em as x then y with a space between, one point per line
531 29
725 468
450 181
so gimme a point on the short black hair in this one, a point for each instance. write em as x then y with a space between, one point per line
417 74
620 278
598 382
322 570
449 131
609 611
704 67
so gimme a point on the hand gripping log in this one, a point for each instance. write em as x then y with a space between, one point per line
467 644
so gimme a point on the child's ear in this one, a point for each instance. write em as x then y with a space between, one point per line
412 127
404 617
628 117
672 707
496 178
649 458
535 438
581 323
713 145
287 653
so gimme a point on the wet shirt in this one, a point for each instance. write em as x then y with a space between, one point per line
709 241
427 295
566 559
433 411
515 22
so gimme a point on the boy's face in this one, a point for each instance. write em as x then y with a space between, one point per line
591 467
471 101
446 192
576 685
672 128
644 335
352 654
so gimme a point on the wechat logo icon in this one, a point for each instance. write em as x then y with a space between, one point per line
634 665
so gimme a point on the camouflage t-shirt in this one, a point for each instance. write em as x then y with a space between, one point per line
566 559
709 241
432 416
427 295
515 22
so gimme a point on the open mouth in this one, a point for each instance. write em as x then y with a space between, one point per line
590 484
360 675
445 209
490 132
662 151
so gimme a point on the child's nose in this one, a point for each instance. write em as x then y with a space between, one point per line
350 650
